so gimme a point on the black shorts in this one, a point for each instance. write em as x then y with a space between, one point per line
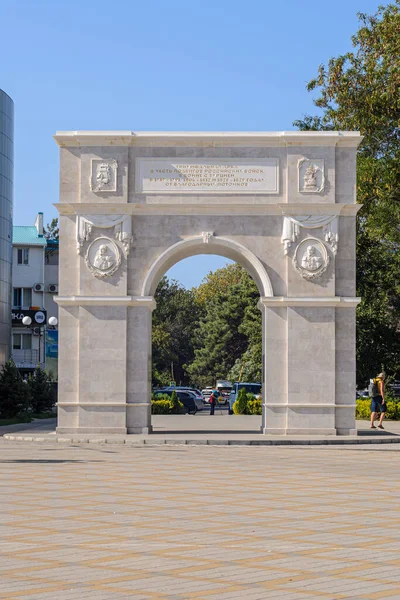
377 405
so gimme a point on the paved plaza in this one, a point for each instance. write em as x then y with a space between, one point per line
199 522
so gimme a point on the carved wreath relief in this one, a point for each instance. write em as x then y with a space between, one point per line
311 175
122 225
103 257
103 176
311 258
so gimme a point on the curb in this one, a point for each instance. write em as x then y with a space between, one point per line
335 441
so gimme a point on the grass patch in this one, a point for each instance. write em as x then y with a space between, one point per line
27 418
16 420
46 415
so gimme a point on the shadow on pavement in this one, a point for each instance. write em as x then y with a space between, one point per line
44 461
374 432
191 431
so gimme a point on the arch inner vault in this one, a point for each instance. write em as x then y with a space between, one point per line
282 205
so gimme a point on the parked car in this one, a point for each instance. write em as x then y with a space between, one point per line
251 388
199 398
224 388
187 398
207 393
395 388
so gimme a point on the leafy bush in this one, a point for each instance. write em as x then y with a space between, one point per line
161 407
363 409
41 391
15 394
254 406
176 404
240 406
164 404
246 404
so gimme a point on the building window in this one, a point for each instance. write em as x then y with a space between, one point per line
22 297
22 341
23 256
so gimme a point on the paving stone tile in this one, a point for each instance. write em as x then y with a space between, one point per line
196 522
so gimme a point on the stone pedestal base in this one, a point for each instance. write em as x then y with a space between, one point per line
120 430
140 430
308 431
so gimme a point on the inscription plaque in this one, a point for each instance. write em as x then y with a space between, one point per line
207 176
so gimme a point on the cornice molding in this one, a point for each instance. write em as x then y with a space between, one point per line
307 302
208 138
146 301
209 208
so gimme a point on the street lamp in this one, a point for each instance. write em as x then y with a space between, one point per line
27 321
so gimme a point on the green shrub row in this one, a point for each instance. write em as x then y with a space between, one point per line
18 397
164 404
247 404
363 409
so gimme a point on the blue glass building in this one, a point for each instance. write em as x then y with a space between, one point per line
6 212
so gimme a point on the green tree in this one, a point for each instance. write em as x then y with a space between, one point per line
51 231
174 324
15 395
229 326
360 91
41 391
218 282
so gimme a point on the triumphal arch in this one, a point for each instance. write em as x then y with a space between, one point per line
282 204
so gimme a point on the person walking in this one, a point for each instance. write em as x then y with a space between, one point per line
213 401
376 390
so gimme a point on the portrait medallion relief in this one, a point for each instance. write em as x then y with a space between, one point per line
311 175
103 176
311 258
103 257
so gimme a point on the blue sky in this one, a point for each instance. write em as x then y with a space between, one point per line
157 65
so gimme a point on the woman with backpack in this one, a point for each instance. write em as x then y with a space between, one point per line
376 390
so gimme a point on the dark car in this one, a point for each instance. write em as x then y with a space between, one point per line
187 399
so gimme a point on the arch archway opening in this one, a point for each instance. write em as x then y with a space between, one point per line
199 340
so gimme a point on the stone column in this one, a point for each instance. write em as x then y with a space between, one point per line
309 365
138 397
93 365
274 386
311 370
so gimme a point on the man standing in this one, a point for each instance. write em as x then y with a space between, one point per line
376 390
213 401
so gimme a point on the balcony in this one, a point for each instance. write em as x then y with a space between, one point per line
25 359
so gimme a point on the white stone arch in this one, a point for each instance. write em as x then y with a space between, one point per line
216 245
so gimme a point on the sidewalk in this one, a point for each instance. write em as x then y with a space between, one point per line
200 429
39 425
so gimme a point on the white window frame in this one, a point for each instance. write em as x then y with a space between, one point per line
22 294
21 342
24 256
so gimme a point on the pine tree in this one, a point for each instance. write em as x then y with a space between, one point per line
15 394
41 391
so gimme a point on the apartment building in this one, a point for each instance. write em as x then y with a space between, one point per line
34 285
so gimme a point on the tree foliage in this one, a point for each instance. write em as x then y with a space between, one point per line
174 324
360 91
15 394
51 231
228 327
41 391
